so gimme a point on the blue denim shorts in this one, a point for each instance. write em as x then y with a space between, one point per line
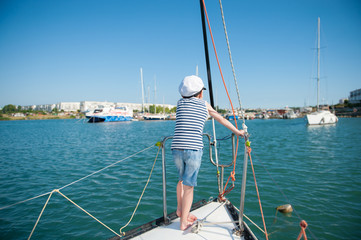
188 163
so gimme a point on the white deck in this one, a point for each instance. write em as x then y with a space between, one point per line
213 212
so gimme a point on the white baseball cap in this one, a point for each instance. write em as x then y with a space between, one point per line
190 86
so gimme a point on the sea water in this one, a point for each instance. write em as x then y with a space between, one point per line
316 169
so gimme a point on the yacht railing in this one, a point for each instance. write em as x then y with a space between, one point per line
211 143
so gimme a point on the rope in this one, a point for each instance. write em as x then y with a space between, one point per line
140 198
45 205
248 148
303 225
14 204
199 222
254 223
87 213
44 194
58 191
229 98
219 66
41 213
259 228
284 195
259 199
225 138
106 167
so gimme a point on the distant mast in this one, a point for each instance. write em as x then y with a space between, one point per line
141 80
318 63
155 94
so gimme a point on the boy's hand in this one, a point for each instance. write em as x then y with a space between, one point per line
240 133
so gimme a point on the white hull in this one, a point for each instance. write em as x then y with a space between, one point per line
321 118
111 114
154 117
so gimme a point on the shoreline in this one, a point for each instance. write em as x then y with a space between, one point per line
45 117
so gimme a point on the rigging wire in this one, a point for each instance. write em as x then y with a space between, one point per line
303 225
232 175
231 61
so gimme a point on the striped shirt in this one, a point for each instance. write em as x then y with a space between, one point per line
191 115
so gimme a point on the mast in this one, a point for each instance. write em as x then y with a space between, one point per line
141 80
207 54
220 185
318 63
155 94
148 96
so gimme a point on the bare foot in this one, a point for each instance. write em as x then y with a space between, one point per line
184 226
191 218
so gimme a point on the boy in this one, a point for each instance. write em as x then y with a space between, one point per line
187 144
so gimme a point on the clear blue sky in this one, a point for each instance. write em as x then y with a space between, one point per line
77 50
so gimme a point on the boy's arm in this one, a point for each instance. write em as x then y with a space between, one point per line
223 121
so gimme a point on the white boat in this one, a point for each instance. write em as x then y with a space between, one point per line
148 116
110 114
290 114
320 117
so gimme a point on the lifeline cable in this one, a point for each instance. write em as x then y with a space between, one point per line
141 196
45 205
44 194
58 191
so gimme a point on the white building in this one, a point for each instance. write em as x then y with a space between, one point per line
138 106
355 96
41 107
86 106
68 106
342 100
30 107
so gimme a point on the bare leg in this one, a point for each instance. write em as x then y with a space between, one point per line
191 218
179 198
186 206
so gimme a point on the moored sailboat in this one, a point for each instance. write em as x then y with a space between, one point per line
320 117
